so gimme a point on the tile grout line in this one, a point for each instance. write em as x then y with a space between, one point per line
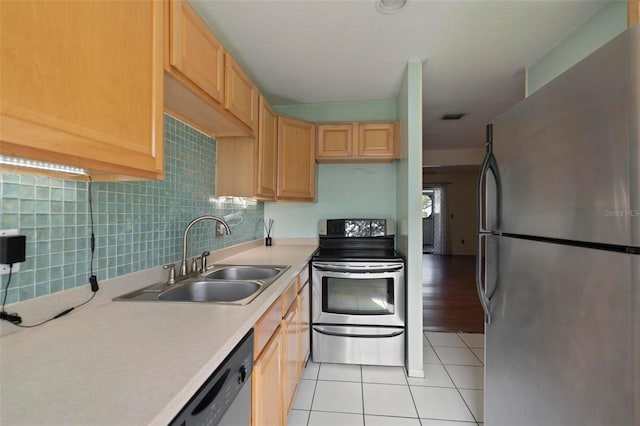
451 378
471 349
315 385
454 383
413 399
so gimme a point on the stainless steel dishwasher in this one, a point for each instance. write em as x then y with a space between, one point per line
225 398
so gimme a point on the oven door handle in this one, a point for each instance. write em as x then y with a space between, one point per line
380 332
368 269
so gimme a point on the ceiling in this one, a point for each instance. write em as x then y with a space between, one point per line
474 52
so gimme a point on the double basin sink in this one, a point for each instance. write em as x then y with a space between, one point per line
227 284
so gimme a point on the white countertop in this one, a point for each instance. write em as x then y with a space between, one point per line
129 363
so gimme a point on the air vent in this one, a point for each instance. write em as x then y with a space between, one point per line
453 116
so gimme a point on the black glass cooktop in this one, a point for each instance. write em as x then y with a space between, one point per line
334 249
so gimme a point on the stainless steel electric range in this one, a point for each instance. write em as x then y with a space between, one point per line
358 294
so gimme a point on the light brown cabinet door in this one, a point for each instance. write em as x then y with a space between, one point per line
376 140
195 51
71 92
291 359
241 96
296 160
335 140
266 395
361 142
304 327
267 152
633 12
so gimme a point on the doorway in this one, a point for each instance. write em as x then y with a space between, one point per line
450 301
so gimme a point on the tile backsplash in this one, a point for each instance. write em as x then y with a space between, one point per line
137 225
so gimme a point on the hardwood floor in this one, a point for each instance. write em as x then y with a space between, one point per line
450 301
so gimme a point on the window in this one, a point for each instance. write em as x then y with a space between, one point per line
427 204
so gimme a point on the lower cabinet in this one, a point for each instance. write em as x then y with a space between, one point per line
279 364
266 398
304 326
291 360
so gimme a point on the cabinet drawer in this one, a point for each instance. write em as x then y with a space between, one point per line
266 327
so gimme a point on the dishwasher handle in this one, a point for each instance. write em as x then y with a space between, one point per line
211 394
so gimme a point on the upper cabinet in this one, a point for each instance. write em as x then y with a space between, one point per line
195 52
335 141
357 142
204 86
247 166
241 96
633 12
296 160
82 85
267 168
277 165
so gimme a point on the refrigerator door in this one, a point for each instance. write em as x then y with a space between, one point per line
569 155
562 346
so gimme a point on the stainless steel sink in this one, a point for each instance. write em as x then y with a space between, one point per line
225 284
211 291
243 272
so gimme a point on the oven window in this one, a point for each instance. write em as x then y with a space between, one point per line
357 296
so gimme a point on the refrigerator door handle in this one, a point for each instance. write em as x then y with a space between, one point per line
480 288
488 164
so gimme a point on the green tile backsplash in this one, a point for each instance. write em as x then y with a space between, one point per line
137 225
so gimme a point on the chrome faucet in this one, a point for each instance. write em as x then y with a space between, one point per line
183 265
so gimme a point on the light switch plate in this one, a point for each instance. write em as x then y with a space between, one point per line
4 269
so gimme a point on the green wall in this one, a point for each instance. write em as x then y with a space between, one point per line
342 111
138 225
409 203
607 23
344 190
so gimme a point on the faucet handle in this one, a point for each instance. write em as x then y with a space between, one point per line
203 261
172 273
194 265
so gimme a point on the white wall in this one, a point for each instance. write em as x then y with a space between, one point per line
344 190
409 202
452 157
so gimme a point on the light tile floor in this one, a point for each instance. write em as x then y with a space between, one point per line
450 394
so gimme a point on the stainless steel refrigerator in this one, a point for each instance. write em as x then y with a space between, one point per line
559 248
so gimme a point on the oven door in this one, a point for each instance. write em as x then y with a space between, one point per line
358 293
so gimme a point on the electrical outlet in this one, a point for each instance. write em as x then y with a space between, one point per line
219 230
4 269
